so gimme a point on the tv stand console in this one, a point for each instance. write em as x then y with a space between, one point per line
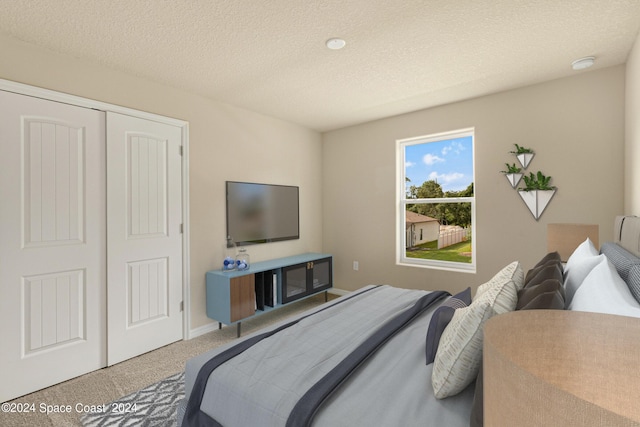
233 296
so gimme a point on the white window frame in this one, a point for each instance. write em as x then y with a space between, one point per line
402 201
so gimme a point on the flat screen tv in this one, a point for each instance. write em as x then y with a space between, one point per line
262 213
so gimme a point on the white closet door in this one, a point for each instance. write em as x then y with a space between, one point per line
52 243
144 239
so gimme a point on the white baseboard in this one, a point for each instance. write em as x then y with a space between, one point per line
201 330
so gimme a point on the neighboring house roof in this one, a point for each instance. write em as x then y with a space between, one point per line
414 218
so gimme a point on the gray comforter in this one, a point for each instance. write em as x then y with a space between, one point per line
262 385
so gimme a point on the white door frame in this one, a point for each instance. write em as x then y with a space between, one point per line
52 95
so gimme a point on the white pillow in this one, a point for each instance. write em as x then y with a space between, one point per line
459 354
584 249
579 265
604 291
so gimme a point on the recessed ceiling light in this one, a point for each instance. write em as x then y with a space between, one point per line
335 43
582 63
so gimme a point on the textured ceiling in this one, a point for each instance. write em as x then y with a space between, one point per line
269 56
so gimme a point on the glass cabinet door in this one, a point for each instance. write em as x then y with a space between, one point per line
321 275
301 280
294 282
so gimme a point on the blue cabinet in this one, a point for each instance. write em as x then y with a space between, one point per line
233 296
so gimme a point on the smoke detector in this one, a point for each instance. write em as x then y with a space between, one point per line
335 43
582 63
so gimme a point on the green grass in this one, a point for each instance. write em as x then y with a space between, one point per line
453 253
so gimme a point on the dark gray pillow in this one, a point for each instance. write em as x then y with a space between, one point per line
550 270
551 256
441 318
548 295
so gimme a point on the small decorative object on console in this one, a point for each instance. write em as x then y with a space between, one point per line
229 251
243 260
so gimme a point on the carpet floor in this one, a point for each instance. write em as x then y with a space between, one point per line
109 384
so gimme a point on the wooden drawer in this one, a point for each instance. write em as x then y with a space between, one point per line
243 297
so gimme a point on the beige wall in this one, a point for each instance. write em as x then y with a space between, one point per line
576 127
632 133
226 143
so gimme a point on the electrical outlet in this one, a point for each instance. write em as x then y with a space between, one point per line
356 266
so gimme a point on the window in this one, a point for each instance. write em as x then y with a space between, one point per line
436 201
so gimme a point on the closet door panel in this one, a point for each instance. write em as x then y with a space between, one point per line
144 240
53 251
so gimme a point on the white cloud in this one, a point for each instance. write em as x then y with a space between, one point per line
454 147
430 159
409 164
446 178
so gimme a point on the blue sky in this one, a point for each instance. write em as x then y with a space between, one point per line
449 162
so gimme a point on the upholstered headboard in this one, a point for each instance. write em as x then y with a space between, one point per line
626 233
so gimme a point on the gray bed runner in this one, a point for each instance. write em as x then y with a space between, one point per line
306 408
308 405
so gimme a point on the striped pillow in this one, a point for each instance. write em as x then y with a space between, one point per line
634 282
459 354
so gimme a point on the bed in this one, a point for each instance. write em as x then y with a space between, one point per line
387 356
